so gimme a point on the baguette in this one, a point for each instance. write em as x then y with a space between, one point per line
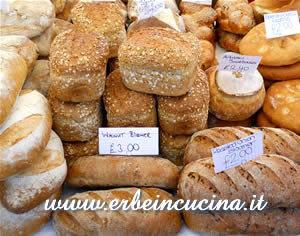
276 141
274 221
275 177
13 71
119 171
25 134
118 223
24 192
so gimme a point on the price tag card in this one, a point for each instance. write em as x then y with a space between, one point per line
148 8
239 63
129 141
282 24
237 153
4 6
201 2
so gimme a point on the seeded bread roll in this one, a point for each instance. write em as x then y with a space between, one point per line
280 51
110 23
215 122
29 18
13 72
263 121
78 66
27 223
25 191
119 222
280 72
24 134
229 41
173 147
119 171
275 177
282 104
184 115
235 16
75 121
127 108
159 61
276 141
80 149
279 221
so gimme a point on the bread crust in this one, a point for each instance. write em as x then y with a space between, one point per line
273 176
207 54
280 72
263 121
280 141
118 222
125 107
229 41
25 191
25 133
215 122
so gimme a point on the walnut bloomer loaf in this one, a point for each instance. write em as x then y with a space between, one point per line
275 177
159 61
276 141
119 222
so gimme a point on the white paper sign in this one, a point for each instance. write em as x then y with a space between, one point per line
4 6
237 153
148 8
282 24
129 141
201 2
239 63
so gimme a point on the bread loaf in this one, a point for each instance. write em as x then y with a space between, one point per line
78 66
24 134
280 72
119 171
27 223
33 186
59 5
190 7
207 54
118 222
13 71
229 41
275 222
159 61
125 107
23 46
276 141
184 115
29 18
65 14
275 177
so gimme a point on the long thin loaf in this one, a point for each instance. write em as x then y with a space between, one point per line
276 141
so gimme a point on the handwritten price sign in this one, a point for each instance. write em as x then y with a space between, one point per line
128 141
148 8
237 153
282 24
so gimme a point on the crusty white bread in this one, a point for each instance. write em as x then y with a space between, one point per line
13 72
25 133
33 186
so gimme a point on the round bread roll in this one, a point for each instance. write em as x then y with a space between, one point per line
23 46
75 121
59 5
215 122
13 72
263 121
173 147
26 223
229 41
125 107
282 104
29 18
184 115
110 23
280 51
78 66
207 54
39 79
25 191
280 72
24 134
235 96
235 16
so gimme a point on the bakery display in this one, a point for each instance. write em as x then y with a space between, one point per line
282 104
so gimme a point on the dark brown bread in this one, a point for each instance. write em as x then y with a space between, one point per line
275 177
276 141
119 222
